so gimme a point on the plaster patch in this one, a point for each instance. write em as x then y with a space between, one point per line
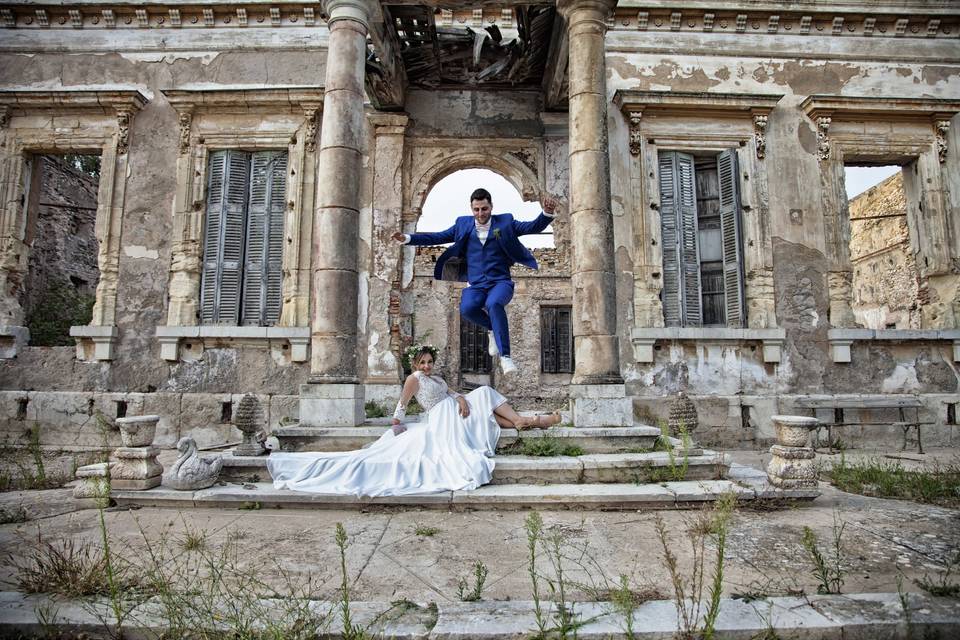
139 251
902 380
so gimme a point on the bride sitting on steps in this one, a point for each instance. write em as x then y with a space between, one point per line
449 449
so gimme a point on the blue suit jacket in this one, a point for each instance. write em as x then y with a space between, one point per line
504 229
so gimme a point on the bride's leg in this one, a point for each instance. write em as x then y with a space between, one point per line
515 419
503 422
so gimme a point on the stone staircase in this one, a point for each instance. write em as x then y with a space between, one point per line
618 470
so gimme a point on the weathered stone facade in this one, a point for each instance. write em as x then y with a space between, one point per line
791 95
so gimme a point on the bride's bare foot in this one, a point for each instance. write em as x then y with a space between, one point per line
543 421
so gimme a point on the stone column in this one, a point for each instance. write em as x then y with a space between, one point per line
793 464
597 391
383 367
334 397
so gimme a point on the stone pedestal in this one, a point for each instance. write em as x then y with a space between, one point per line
94 483
600 405
331 405
135 468
793 463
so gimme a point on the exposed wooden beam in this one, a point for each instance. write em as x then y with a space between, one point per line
555 75
386 77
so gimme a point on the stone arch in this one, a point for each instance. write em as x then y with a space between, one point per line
515 166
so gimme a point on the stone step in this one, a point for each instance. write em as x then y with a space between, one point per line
591 440
601 468
748 484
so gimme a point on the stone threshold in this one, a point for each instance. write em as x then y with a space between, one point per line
861 615
519 469
748 485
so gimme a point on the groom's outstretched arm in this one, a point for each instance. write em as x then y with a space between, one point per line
427 238
541 222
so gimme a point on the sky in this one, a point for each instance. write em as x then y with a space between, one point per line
448 199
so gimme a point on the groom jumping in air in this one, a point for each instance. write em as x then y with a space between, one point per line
484 248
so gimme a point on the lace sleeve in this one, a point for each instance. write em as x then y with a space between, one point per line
400 412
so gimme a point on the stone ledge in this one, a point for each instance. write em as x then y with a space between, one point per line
841 339
12 340
170 338
94 343
644 338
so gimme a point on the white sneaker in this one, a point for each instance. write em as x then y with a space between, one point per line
492 346
507 365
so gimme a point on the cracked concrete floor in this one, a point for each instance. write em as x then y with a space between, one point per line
388 560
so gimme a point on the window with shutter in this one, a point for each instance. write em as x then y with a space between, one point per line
243 238
701 240
556 340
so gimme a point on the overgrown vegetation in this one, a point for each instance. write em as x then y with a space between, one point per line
688 587
464 591
56 310
374 410
826 566
934 484
674 471
425 531
13 515
544 446
942 583
31 470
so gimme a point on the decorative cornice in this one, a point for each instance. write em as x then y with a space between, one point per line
730 105
841 20
824 109
243 98
19 101
173 14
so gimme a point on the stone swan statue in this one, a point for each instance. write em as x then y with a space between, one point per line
190 471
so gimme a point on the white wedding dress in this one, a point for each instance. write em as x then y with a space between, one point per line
441 452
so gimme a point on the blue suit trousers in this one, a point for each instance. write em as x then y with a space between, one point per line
484 304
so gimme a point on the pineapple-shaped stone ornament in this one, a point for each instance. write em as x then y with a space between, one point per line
683 415
249 420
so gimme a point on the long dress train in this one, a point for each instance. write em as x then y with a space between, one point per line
441 452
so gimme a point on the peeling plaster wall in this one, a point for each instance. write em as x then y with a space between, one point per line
145 251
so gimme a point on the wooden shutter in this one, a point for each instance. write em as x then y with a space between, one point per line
223 237
565 340
548 339
732 241
263 268
473 348
678 225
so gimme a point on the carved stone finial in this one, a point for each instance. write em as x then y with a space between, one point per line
760 134
635 132
823 137
310 140
186 122
942 128
248 420
123 127
683 415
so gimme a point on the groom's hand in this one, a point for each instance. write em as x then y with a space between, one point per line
399 237
549 204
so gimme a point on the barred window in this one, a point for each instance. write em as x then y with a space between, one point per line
473 348
556 340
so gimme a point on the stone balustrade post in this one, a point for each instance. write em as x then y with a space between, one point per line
793 463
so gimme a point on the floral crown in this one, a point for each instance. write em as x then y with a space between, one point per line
413 350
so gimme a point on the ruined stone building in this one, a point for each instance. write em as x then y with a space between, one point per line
255 158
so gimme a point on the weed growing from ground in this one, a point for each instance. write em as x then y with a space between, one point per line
425 531
464 593
827 567
942 584
374 410
545 446
935 484
13 515
688 587
351 631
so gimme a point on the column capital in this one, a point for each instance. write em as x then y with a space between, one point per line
358 10
568 7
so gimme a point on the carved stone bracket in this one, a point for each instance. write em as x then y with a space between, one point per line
760 134
942 127
823 137
123 131
310 137
4 117
635 136
186 122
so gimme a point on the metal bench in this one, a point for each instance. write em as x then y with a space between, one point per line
833 407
